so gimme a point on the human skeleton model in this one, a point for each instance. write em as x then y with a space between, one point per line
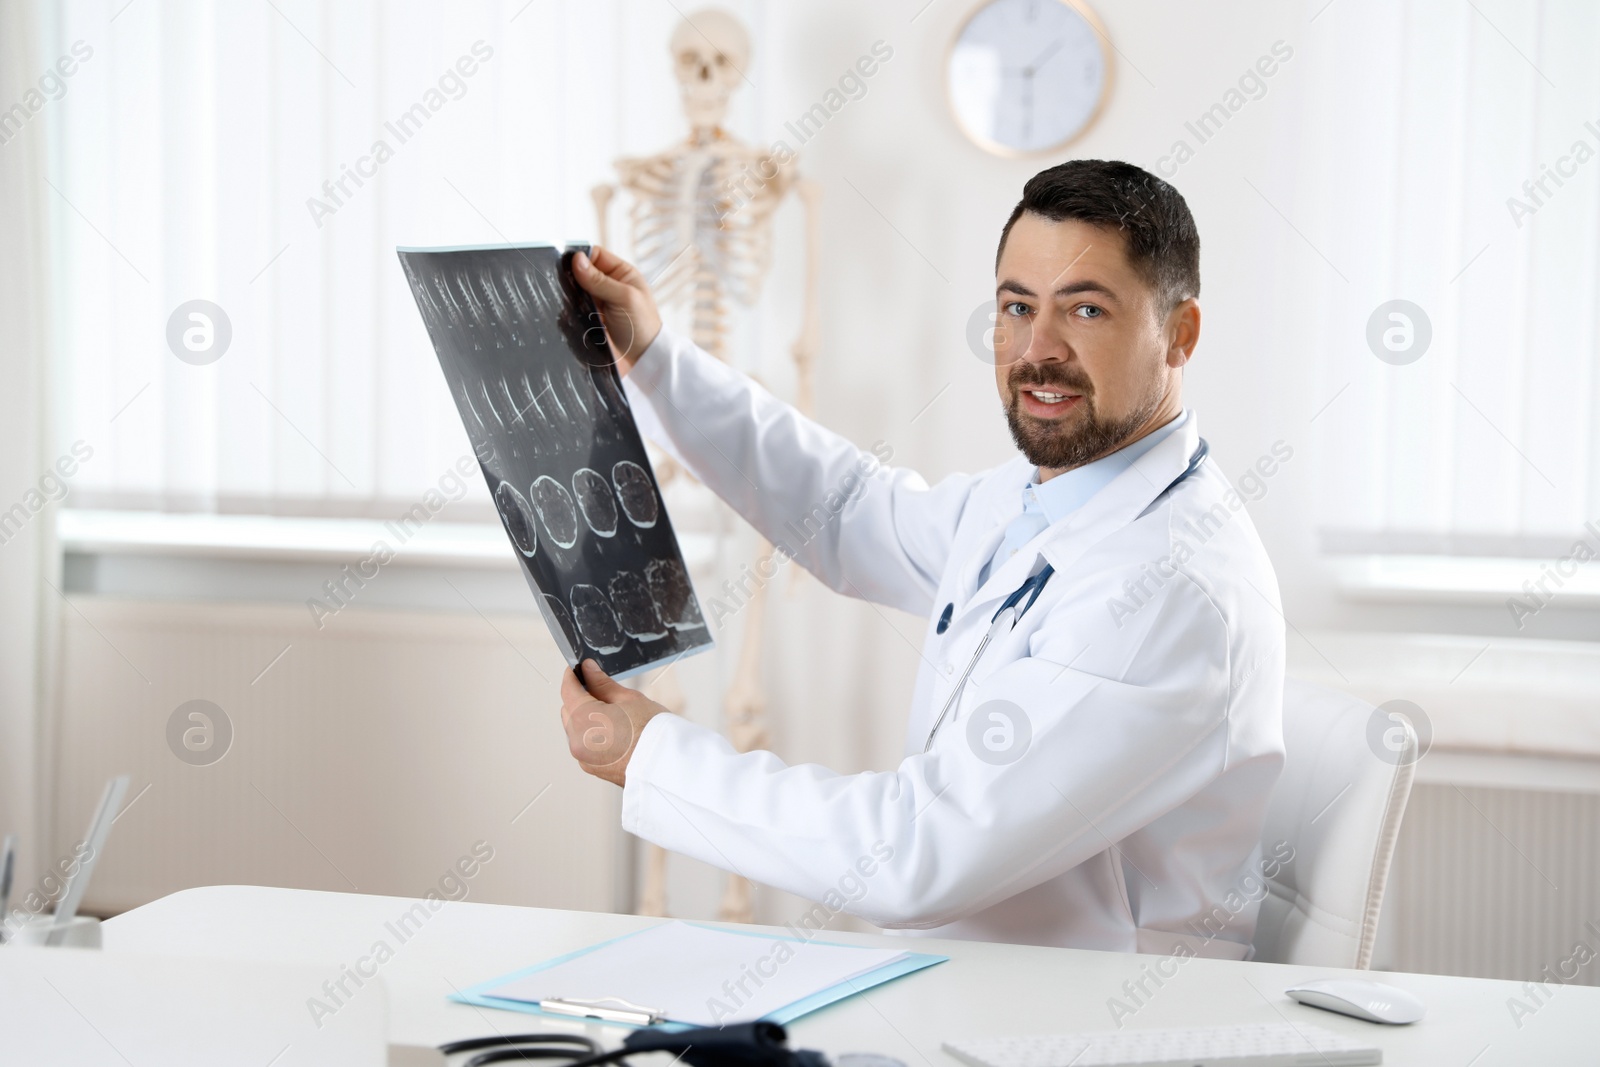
701 229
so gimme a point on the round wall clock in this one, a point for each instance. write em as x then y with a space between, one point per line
1027 77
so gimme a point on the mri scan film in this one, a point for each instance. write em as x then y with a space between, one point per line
526 360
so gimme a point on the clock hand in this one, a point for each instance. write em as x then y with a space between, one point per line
1044 56
1031 69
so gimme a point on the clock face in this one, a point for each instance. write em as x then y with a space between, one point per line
1027 76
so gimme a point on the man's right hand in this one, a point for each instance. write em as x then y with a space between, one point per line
626 306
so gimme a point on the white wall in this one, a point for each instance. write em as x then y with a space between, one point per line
369 756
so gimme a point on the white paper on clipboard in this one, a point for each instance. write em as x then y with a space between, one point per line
699 975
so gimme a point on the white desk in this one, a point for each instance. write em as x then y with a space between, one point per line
985 989
116 1009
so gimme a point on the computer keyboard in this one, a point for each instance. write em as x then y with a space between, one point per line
1255 1045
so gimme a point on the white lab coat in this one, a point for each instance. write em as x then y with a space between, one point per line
1132 819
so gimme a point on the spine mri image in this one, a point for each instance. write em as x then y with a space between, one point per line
526 360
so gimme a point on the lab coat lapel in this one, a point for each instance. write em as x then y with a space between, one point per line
1119 503
1109 510
1008 575
1004 503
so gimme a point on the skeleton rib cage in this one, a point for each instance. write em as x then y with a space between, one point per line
702 231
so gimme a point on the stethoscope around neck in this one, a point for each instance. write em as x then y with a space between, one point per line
1017 604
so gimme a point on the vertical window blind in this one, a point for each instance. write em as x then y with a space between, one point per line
267 158
1456 167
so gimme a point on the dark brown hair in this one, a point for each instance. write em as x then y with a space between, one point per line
1157 230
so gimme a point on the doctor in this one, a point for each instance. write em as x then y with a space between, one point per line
1096 725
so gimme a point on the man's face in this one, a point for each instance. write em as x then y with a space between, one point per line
1087 356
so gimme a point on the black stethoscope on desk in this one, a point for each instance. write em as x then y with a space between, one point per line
1021 599
758 1044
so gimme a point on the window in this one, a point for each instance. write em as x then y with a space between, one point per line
1456 168
267 158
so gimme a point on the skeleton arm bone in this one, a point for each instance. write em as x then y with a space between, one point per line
805 345
602 195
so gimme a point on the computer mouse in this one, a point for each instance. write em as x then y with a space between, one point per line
866 1059
1360 999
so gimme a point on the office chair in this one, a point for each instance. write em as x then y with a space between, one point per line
1347 774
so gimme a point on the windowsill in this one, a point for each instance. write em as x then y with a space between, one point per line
1463 579
267 538
277 539
1500 697
440 566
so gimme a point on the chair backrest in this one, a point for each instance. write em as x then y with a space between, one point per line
1347 774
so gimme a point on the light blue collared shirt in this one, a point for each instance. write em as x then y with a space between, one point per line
1046 503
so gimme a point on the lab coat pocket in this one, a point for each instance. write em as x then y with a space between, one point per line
997 728
1007 647
1113 857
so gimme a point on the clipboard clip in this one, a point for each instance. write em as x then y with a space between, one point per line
602 1009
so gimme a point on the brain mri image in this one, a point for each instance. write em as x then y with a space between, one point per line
525 359
636 610
556 511
556 613
672 595
637 491
517 518
599 507
597 623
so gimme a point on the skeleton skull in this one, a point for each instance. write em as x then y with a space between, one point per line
710 51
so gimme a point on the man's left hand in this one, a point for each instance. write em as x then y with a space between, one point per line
603 719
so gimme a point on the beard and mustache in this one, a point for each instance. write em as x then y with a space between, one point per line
1079 437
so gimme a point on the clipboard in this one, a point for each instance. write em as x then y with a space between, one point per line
483 994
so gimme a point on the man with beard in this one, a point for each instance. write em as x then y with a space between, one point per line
1096 725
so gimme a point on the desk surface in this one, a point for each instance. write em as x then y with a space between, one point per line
984 990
